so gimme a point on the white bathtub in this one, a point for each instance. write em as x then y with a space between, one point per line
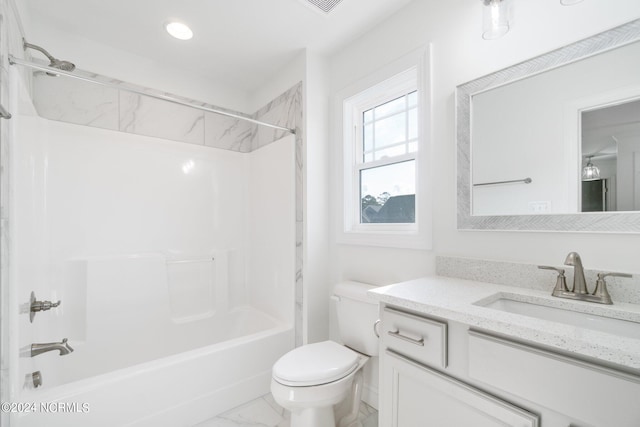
176 391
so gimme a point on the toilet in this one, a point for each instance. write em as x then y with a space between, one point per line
310 380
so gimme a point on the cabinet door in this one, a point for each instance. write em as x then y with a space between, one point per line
594 394
414 395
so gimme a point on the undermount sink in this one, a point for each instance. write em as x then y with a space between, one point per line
609 325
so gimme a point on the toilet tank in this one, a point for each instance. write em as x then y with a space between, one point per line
357 314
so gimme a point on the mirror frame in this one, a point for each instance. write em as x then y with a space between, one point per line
616 222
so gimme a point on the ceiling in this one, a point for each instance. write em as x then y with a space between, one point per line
238 42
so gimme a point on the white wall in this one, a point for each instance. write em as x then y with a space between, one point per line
628 179
317 283
99 58
271 228
460 55
310 67
283 80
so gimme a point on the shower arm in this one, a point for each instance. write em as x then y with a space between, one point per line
17 61
26 46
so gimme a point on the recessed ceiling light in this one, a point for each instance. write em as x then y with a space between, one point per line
179 30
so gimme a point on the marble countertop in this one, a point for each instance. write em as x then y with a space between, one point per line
456 300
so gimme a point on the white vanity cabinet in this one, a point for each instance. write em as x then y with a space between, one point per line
442 373
414 394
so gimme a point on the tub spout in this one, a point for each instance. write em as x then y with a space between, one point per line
63 347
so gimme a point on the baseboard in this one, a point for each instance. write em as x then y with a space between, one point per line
370 396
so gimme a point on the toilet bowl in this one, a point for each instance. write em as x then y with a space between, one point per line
311 380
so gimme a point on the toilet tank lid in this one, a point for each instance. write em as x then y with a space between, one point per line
355 291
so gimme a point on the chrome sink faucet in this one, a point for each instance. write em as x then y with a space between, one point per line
579 289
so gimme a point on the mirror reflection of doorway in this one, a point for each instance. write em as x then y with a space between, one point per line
595 195
610 146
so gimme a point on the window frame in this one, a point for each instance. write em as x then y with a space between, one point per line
409 73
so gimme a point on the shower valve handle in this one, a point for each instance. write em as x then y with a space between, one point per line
44 305
37 306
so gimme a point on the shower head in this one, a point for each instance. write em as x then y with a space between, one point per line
62 65
53 62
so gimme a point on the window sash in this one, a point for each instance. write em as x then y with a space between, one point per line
360 164
403 91
356 197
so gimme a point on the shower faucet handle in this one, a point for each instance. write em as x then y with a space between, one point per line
36 306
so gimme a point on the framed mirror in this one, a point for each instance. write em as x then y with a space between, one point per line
553 143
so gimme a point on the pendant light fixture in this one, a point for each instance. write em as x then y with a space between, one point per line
590 171
495 22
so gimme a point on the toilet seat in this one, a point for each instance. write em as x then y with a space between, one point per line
315 364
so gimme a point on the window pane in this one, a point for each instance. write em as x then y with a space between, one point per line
368 138
413 147
413 99
387 194
390 107
367 116
391 130
413 123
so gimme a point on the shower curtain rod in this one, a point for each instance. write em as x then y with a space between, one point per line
17 61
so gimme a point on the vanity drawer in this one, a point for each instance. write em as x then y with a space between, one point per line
419 338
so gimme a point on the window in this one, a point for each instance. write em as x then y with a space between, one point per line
386 171
384 152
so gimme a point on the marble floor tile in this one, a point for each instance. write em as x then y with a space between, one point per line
257 413
265 412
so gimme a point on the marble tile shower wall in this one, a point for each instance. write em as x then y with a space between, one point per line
531 277
75 101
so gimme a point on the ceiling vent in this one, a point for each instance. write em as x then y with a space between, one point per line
325 6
